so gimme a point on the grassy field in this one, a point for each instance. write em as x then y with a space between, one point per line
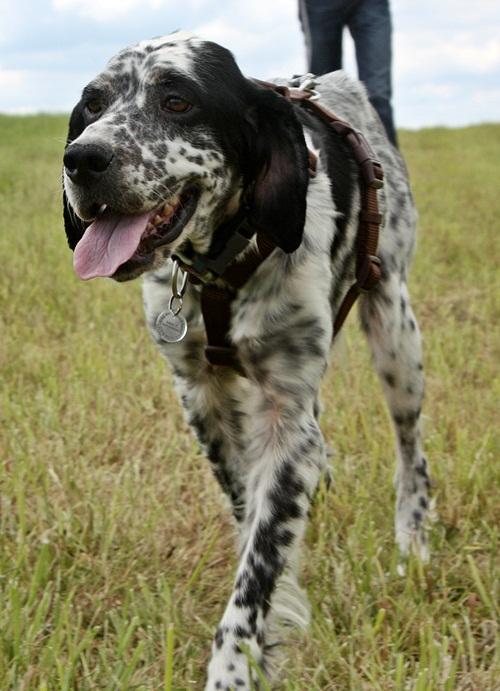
115 548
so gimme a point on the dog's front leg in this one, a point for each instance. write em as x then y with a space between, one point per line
286 456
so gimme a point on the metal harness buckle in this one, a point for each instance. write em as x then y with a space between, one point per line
306 82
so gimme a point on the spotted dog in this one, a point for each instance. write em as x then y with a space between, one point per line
162 148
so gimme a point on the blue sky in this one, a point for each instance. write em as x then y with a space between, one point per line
446 52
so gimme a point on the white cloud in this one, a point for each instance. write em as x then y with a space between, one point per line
9 19
434 52
264 37
12 78
103 10
229 35
487 97
475 58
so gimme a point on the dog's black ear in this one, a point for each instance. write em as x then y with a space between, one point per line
73 226
279 202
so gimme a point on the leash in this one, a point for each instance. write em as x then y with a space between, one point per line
216 301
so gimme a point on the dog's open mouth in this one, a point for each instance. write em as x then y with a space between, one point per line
113 240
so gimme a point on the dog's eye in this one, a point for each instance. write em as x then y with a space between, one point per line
176 104
94 106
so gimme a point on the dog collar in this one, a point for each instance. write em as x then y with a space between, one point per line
238 234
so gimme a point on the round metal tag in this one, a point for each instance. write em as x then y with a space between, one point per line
171 327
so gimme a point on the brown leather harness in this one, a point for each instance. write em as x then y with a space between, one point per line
216 300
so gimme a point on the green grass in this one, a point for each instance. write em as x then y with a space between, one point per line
116 550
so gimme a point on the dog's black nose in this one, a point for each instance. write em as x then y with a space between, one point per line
86 163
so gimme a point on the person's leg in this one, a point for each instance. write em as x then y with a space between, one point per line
371 28
322 23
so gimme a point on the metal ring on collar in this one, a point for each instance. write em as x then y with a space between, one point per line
175 304
176 293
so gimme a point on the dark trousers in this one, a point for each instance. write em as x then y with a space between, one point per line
369 22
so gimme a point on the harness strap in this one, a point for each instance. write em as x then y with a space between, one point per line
216 310
368 267
371 178
216 305
216 302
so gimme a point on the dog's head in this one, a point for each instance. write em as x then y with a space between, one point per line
160 148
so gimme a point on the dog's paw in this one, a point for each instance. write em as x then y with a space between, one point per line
229 668
413 509
229 675
413 543
411 536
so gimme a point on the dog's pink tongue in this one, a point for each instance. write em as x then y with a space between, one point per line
107 243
